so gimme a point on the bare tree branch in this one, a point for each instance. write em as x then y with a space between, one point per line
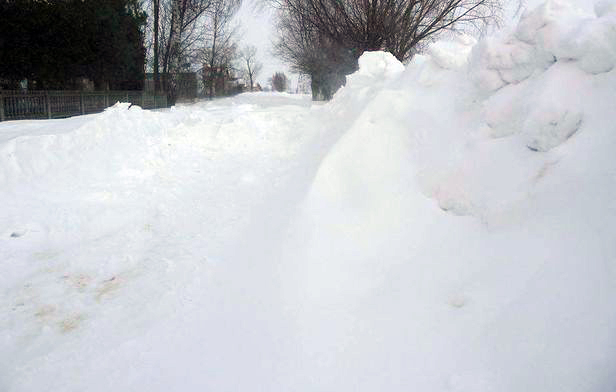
324 38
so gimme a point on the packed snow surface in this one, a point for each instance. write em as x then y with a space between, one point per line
445 226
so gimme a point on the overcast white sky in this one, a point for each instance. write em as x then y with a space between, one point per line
257 28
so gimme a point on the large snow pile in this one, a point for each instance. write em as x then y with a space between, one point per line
461 234
445 226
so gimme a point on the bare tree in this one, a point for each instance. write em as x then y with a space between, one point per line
173 32
252 67
218 47
319 37
310 52
182 30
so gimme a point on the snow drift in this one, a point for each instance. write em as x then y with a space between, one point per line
444 226
459 236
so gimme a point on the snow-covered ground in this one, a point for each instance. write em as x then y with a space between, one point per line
445 226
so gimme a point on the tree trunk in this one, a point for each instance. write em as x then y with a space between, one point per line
156 70
249 68
213 56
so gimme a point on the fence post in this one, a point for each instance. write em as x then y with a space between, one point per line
81 103
48 105
142 100
106 99
1 106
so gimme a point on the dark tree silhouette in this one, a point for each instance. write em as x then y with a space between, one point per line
279 82
54 43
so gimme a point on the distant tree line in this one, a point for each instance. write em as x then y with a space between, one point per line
56 43
324 38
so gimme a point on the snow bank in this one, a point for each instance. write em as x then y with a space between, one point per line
80 141
554 31
458 236
550 44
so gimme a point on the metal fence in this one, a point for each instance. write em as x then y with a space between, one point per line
19 105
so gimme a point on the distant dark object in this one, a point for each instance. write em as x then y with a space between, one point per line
279 82
16 234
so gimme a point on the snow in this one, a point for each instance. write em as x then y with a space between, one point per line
379 65
445 226
604 7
